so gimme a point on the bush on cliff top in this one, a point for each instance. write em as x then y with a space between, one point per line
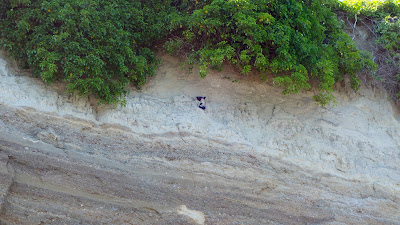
95 46
99 47
383 19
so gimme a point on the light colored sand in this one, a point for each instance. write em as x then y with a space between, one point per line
357 141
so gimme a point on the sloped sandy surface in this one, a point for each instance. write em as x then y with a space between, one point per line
252 157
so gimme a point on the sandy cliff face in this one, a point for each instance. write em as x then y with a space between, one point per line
252 157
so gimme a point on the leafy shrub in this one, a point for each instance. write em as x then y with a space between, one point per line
389 31
367 8
298 41
384 14
96 46
99 46
389 38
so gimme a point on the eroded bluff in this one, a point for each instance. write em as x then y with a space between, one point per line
252 156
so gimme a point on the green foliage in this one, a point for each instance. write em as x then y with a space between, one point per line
389 31
96 46
297 41
368 8
385 15
99 46
389 38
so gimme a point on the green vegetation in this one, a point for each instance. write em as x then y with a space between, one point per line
95 46
384 15
99 46
298 41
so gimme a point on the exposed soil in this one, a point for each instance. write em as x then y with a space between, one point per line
252 156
